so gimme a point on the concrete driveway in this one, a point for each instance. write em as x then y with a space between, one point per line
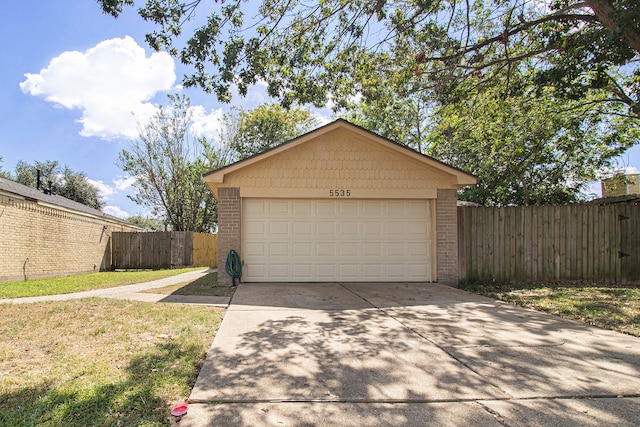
408 355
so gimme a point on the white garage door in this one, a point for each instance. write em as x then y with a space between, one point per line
336 240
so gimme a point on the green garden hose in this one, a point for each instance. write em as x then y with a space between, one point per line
233 266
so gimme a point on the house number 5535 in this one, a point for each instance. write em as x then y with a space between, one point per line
340 193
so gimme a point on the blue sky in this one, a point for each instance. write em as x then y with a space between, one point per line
70 79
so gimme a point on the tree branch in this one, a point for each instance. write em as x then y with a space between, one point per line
605 12
508 33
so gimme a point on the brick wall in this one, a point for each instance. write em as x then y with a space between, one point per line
228 229
447 237
42 241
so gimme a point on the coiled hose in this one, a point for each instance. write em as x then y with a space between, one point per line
233 266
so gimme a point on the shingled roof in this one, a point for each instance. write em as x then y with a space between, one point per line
12 188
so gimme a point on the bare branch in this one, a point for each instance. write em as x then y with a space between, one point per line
508 33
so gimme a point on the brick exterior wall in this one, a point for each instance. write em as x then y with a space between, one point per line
229 221
447 237
39 241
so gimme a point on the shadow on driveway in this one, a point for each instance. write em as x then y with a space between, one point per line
298 354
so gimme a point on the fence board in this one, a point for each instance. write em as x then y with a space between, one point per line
535 243
559 251
462 245
162 249
205 250
520 251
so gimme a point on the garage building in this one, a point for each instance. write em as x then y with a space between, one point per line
339 204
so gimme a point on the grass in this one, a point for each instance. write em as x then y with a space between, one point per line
84 282
206 285
99 362
610 307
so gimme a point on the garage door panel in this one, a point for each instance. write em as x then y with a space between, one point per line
302 207
349 249
372 272
303 271
326 228
326 207
336 240
303 229
371 228
417 270
395 227
279 271
326 249
396 208
278 249
278 207
417 227
396 249
326 271
348 209
255 206
418 248
395 271
372 249
255 270
372 207
349 271
255 228
349 227
416 208
279 228
302 249
255 249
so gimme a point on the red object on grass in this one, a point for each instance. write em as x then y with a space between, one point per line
180 409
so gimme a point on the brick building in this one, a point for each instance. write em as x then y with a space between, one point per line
43 235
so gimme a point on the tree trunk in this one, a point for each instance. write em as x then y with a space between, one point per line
603 9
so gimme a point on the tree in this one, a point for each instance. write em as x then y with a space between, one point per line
413 61
398 113
168 167
147 222
307 50
527 150
64 181
3 173
76 186
268 125
26 173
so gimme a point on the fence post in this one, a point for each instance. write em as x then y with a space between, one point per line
462 244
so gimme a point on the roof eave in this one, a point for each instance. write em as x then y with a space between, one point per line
217 176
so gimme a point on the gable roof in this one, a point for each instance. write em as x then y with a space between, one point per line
217 177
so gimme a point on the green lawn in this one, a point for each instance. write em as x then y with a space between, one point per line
85 282
99 362
610 307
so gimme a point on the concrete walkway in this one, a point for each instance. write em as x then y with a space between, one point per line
408 355
134 292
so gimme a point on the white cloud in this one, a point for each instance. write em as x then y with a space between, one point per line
630 170
206 124
256 95
109 83
609 172
115 211
124 184
104 190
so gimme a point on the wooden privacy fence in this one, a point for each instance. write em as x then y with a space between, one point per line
205 250
163 249
542 243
